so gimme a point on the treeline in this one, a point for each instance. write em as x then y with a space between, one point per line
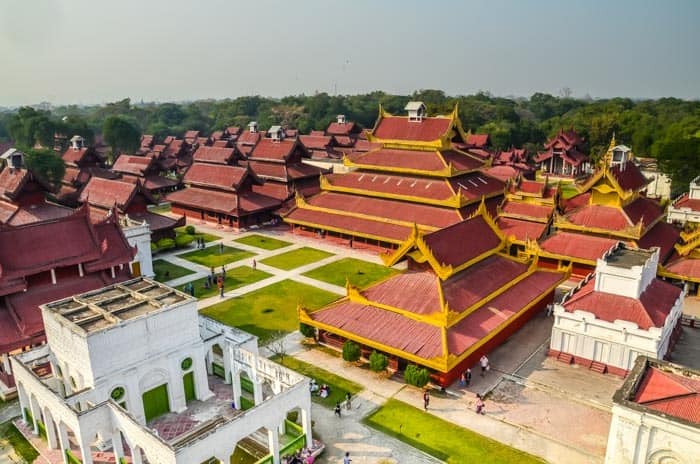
667 129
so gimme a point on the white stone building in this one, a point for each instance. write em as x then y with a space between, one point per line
659 185
138 234
617 313
656 416
686 208
126 369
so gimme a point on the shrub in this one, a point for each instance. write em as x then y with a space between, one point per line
154 248
418 376
183 240
190 230
351 351
307 330
378 361
166 243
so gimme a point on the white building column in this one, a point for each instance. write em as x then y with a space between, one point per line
136 455
63 442
51 436
85 449
117 446
306 424
257 391
237 392
273 442
36 413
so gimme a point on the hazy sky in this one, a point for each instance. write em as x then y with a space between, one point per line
92 51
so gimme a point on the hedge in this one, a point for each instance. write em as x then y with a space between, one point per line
418 376
378 361
307 330
351 351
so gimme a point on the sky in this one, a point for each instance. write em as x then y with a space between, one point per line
96 51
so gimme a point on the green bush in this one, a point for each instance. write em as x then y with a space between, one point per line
351 351
378 361
190 230
183 240
307 330
166 244
154 248
418 376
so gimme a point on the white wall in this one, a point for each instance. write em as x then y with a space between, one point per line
139 236
639 438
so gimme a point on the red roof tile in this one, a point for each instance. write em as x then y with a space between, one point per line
206 200
273 150
279 190
577 201
317 142
400 128
499 311
73 156
39 212
449 246
216 155
336 128
130 164
107 193
248 138
478 140
414 291
565 139
684 201
645 210
475 185
7 210
403 159
191 135
363 227
462 162
603 217
662 235
12 181
567 244
380 208
502 172
650 310
629 178
297 171
210 175
521 230
671 394
528 210
269 170
432 189
385 327
683 266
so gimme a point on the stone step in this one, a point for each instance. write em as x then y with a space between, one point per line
598 367
566 358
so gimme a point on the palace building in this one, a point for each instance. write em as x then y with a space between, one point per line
413 177
617 313
461 297
609 207
564 156
223 194
127 373
46 260
656 415
146 170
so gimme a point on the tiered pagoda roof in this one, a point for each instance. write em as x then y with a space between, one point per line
527 210
609 207
460 293
413 175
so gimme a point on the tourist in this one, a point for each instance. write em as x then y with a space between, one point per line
324 391
347 401
221 247
480 406
313 386
336 411
254 264
223 271
220 284
426 399
550 308
468 376
346 459
484 363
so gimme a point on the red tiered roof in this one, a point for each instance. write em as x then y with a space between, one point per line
568 244
223 202
478 140
427 215
644 209
316 142
274 149
520 229
416 160
220 177
530 210
671 394
449 246
137 165
106 193
400 128
629 177
602 217
684 266
650 310
217 155
336 128
73 156
662 235
684 201
12 181
433 189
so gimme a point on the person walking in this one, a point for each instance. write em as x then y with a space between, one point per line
255 264
480 406
484 363
336 411
468 376
221 247
426 399
220 284
346 459
348 397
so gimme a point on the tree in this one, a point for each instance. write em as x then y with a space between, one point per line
28 127
417 376
46 165
351 351
121 134
307 330
277 345
378 361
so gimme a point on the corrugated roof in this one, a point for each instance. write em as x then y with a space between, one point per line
400 128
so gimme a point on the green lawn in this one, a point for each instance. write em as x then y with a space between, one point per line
261 241
269 310
211 256
235 278
295 258
338 385
444 440
160 209
161 266
9 435
360 273
568 190
205 236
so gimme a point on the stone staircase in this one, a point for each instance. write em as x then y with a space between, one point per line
598 367
566 358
